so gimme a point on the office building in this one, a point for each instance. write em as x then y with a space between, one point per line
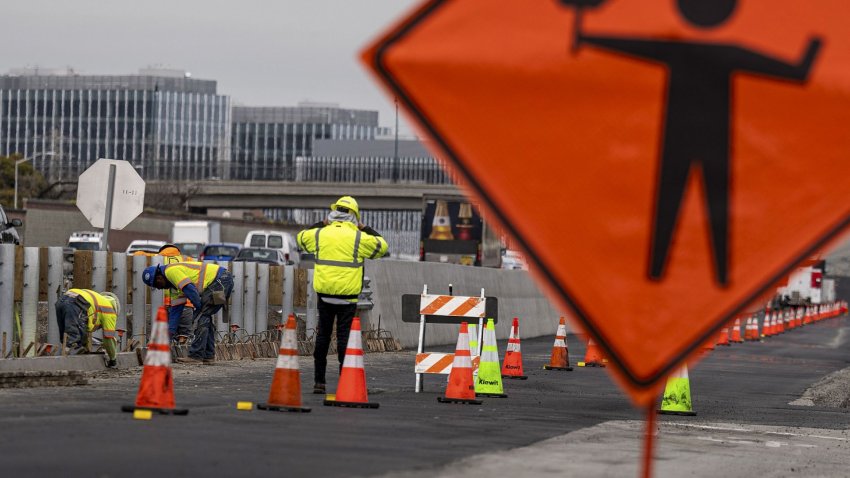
267 141
166 123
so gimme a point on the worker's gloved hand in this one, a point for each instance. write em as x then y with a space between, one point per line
112 363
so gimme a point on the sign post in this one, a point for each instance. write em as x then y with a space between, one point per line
640 152
110 193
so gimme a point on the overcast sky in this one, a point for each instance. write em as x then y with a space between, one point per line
261 52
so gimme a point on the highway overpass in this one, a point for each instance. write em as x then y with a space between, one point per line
280 194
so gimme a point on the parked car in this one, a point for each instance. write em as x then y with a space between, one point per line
8 234
223 252
261 254
191 249
280 240
143 245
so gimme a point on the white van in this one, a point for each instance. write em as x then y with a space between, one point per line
282 241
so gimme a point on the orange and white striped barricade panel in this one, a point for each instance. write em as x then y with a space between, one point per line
428 308
439 363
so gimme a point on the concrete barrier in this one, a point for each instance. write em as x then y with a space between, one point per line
518 296
83 363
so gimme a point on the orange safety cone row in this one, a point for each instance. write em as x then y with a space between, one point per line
460 387
736 332
723 339
351 389
285 393
512 366
560 358
156 388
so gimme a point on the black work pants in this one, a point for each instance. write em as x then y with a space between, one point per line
344 313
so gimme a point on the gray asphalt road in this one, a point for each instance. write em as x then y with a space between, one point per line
80 431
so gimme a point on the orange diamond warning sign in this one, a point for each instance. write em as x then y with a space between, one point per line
662 162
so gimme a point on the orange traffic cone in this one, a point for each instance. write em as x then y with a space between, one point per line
461 388
351 390
736 332
593 355
285 394
766 329
156 389
560 359
512 366
724 337
748 332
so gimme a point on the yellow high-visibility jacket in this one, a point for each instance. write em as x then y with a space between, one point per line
340 249
197 273
174 297
101 315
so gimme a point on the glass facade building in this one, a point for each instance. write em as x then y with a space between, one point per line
267 141
168 125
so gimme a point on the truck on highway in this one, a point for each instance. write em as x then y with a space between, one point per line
454 232
191 236
806 285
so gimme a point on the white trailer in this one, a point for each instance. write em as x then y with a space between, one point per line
200 232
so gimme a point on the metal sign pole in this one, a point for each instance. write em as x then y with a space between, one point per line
107 220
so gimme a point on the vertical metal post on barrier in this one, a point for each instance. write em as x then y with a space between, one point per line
420 378
29 306
157 295
312 320
262 322
236 298
55 283
139 299
98 273
7 297
98 279
288 290
119 286
249 315
219 316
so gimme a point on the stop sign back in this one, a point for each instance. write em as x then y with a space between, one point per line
128 197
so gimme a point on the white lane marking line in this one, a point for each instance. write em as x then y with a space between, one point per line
805 435
707 427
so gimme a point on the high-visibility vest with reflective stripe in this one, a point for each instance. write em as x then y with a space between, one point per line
340 249
174 297
198 273
100 312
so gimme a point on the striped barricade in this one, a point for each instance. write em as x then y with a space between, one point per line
428 308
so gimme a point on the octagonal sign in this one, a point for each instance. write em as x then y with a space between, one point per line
663 163
128 195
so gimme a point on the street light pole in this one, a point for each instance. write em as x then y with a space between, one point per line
18 162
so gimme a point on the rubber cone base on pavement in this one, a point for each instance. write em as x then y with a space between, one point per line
565 369
336 403
161 411
516 377
468 401
281 408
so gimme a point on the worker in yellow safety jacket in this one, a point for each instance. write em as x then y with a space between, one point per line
180 309
208 286
80 311
341 244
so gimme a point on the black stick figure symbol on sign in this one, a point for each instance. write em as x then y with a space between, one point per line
697 127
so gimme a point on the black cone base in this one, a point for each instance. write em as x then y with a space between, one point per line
676 412
337 403
282 408
491 395
515 377
468 401
161 411
563 369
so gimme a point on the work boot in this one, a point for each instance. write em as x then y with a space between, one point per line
319 388
209 361
188 360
